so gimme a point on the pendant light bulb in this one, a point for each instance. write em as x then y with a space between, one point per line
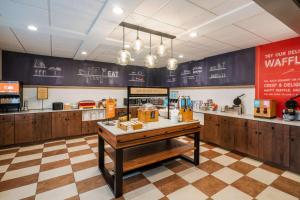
161 50
150 59
124 56
172 62
137 44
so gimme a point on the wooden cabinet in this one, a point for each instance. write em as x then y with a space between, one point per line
66 123
226 132
211 129
24 128
252 138
239 128
42 126
89 127
7 130
269 142
74 119
59 124
295 149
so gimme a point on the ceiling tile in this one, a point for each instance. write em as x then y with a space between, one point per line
182 14
8 41
42 4
267 26
235 36
228 5
208 4
150 7
135 18
34 42
64 47
23 13
75 15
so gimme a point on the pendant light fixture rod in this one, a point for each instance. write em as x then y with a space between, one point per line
123 38
150 44
171 48
146 30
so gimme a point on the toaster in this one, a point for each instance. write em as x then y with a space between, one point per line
57 106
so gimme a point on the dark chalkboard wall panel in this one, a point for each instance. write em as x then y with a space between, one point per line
45 70
230 69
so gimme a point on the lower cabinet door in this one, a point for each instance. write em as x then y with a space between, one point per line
295 149
74 127
7 133
24 131
240 130
211 133
225 133
253 137
59 127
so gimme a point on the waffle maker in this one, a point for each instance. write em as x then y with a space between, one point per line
290 113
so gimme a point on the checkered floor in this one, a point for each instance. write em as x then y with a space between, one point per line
67 169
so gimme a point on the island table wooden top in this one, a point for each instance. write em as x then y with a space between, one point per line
153 131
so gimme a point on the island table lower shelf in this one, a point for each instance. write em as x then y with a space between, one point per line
147 154
133 150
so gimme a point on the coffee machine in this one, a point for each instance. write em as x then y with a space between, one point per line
290 113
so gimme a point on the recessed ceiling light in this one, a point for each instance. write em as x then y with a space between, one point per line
83 52
193 34
132 59
180 56
117 10
32 27
127 46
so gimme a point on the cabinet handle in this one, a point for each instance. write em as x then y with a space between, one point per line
273 128
292 139
259 133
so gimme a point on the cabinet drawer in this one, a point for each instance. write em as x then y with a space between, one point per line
238 122
210 118
6 118
24 117
74 114
59 114
43 116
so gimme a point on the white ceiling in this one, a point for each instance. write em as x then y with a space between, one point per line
68 27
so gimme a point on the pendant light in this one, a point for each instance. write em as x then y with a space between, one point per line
137 44
161 50
150 59
124 55
172 62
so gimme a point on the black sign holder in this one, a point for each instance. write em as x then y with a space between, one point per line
131 94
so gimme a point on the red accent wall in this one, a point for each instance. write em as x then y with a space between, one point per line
277 71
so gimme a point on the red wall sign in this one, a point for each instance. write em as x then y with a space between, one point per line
277 73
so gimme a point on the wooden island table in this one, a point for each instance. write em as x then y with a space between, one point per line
134 149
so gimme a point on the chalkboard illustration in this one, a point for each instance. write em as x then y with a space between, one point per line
171 77
40 70
136 76
218 67
218 71
98 74
197 72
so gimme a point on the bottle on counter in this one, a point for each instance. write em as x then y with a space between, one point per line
180 117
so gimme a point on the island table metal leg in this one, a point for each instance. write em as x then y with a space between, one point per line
118 178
